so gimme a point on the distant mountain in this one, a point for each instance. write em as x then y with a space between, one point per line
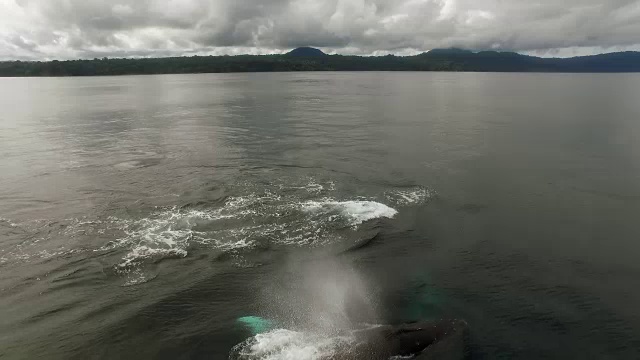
628 61
509 61
310 59
305 52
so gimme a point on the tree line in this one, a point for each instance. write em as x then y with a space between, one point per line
435 60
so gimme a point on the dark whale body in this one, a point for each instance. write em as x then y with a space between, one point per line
444 339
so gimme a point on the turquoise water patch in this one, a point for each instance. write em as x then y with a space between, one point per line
256 324
426 301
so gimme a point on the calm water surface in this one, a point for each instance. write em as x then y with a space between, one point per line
141 217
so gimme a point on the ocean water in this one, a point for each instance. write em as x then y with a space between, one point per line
154 217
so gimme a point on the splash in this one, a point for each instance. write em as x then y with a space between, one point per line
168 234
282 344
356 211
241 224
290 215
319 306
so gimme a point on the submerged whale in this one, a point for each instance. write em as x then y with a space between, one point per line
443 339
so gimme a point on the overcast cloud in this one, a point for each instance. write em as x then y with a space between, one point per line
63 29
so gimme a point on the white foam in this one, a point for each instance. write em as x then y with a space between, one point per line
140 253
356 211
137 277
126 165
168 233
163 235
243 243
171 232
314 188
12 224
414 196
282 344
131 265
242 222
332 185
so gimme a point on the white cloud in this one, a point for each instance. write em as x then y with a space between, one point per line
44 29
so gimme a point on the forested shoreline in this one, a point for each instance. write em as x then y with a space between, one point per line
300 60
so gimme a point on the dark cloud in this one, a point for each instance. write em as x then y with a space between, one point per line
83 28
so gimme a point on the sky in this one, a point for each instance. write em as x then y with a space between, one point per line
70 29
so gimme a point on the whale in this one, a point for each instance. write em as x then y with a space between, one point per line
441 339
444 339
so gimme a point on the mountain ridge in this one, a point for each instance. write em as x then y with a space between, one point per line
312 59
306 51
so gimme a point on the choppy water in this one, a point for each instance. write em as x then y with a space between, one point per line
141 217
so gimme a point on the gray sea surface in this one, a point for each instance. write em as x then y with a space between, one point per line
143 216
